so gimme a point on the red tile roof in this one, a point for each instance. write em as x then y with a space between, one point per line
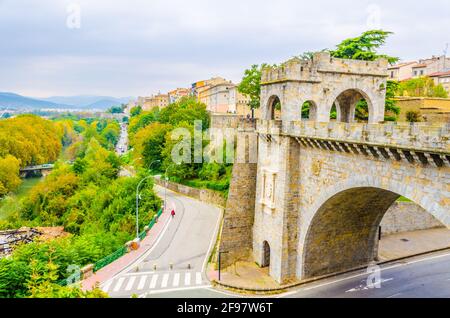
439 74
400 65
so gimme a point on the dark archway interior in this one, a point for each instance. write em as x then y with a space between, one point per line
344 231
266 257
274 104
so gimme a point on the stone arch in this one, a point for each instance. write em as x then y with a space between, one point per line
346 100
271 105
341 227
312 114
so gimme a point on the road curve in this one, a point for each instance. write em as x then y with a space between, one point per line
177 260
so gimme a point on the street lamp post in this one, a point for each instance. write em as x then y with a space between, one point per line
137 199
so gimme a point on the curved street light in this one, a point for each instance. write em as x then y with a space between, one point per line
137 198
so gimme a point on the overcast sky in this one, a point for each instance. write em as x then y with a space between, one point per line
138 47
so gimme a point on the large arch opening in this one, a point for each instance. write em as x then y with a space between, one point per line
274 108
344 232
351 105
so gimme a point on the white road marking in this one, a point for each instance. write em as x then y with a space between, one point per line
176 280
198 278
130 283
142 282
187 279
165 280
362 274
119 284
392 296
139 274
168 290
107 286
153 281
365 287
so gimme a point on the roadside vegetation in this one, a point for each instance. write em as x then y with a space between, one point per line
151 138
86 197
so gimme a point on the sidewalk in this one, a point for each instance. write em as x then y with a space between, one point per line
117 266
248 275
400 245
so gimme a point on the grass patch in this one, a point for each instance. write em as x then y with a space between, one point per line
403 199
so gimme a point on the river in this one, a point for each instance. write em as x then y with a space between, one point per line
9 203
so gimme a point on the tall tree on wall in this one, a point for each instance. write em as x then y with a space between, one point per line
250 85
364 47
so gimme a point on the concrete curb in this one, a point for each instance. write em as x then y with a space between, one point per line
282 289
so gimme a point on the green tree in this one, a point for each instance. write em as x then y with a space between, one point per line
421 87
115 110
9 174
149 142
364 47
135 111
250 85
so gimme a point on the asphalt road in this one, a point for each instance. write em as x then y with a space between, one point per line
424 276
177 261
122 144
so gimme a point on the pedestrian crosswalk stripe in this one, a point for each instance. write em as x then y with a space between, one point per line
165 280
154 280
119 284
106 286
130 283
142 282
176 280
187 279
198 278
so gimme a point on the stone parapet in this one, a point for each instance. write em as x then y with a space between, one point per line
204 195
415 137
310 70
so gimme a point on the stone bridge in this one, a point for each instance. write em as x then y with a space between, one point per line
44 169
313 202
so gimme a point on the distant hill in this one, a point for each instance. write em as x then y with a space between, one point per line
12 100
89 101
105 103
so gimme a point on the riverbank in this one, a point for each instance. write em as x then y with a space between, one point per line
9 203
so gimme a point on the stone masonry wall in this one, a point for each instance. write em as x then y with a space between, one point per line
405 217
324 174
236 238
204 195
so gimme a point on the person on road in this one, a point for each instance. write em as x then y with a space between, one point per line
172 213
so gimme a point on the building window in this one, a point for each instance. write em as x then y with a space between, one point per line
421 72
415 73
392 74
